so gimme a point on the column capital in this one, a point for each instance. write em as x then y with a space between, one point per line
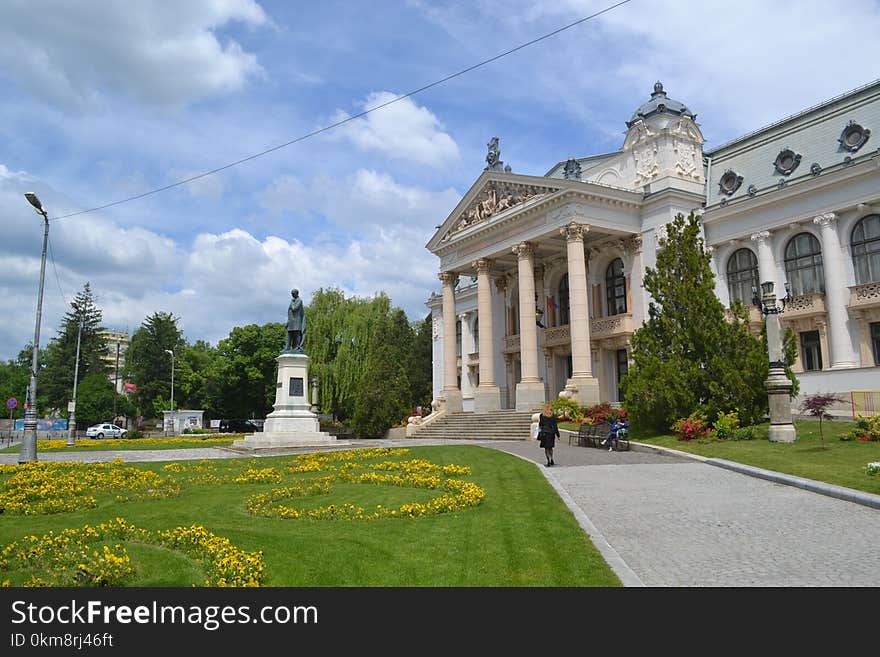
483 265
448 277
574 232
825 219
632 244
501 283
760 236
523 250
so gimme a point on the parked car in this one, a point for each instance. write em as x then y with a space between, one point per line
105 430
239 426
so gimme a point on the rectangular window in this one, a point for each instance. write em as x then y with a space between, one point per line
811 351
622 368
875 341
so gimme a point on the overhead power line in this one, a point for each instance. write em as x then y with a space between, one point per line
347 119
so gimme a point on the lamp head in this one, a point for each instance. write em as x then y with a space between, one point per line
34 200
168 351
767 287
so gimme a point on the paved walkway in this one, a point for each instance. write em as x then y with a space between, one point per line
665 519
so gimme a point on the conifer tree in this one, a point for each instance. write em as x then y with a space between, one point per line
56 377
689 355
147 361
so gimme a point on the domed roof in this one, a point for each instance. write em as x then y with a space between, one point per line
659 104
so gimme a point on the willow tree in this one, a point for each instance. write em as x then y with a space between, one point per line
689 355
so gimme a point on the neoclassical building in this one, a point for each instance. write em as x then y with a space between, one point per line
541 276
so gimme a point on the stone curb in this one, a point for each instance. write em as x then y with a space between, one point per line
820 487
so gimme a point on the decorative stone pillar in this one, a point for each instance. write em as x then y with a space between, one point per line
450 391
842 354
582 384
778 385
766 264
530 389
487 396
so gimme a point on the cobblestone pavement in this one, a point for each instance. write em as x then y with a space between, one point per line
665 520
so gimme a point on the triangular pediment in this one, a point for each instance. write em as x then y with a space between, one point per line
491 196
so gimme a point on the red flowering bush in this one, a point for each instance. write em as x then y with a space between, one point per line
692 427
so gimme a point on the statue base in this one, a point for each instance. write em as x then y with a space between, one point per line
292 423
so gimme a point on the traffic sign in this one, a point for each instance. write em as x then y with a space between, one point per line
11 403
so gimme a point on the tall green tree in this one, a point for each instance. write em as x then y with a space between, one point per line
197 378
147 361
688 355
56 378
14 380
419 368
246 370
383 398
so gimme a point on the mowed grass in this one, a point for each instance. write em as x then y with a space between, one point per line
832 461
520 535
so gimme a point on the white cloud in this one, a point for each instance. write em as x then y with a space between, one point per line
160 53
402 131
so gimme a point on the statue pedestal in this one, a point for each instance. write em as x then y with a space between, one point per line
292 423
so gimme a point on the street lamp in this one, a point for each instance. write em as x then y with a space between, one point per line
778 385
71 427
29 440
169 351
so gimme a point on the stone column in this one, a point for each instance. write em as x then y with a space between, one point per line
582 384
842 354
450 391
467 346
487 396
530 389
766 264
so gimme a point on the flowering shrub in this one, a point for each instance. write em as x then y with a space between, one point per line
691 428
866 429
726 424
567 410
43 487
81 557
873 468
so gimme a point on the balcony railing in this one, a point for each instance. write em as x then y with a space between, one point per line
611 327
864 296
557 336
805 305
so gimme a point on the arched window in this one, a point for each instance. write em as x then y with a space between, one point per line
866 249
742 276
615 288
563 316
803 265
458 337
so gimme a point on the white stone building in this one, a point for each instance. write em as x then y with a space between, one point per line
542 275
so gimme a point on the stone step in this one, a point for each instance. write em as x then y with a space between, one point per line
500 425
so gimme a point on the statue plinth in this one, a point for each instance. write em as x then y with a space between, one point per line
292 423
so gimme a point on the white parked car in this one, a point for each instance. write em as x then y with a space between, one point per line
105 430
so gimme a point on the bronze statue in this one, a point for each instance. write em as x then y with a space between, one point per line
296 325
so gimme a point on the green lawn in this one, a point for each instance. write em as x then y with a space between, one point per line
837 462
521 534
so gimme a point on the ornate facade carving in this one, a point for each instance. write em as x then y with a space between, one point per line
761 236
574 232
448 277
523 250
647 166
686 159
501 283
435 328
496 197
483 265
825 219
632 245
572 170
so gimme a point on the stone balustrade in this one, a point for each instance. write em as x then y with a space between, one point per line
864 296
611 327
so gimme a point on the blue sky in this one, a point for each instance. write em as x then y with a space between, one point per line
102 100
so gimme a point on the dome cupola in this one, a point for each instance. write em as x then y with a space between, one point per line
659 104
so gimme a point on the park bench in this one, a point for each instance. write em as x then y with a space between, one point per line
592 435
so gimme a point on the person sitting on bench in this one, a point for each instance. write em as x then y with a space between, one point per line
616 426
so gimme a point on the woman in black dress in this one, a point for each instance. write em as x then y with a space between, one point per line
548 432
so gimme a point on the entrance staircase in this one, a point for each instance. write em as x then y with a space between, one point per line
498 425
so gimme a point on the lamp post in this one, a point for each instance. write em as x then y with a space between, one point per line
169 351
29 439
71 427
778 386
